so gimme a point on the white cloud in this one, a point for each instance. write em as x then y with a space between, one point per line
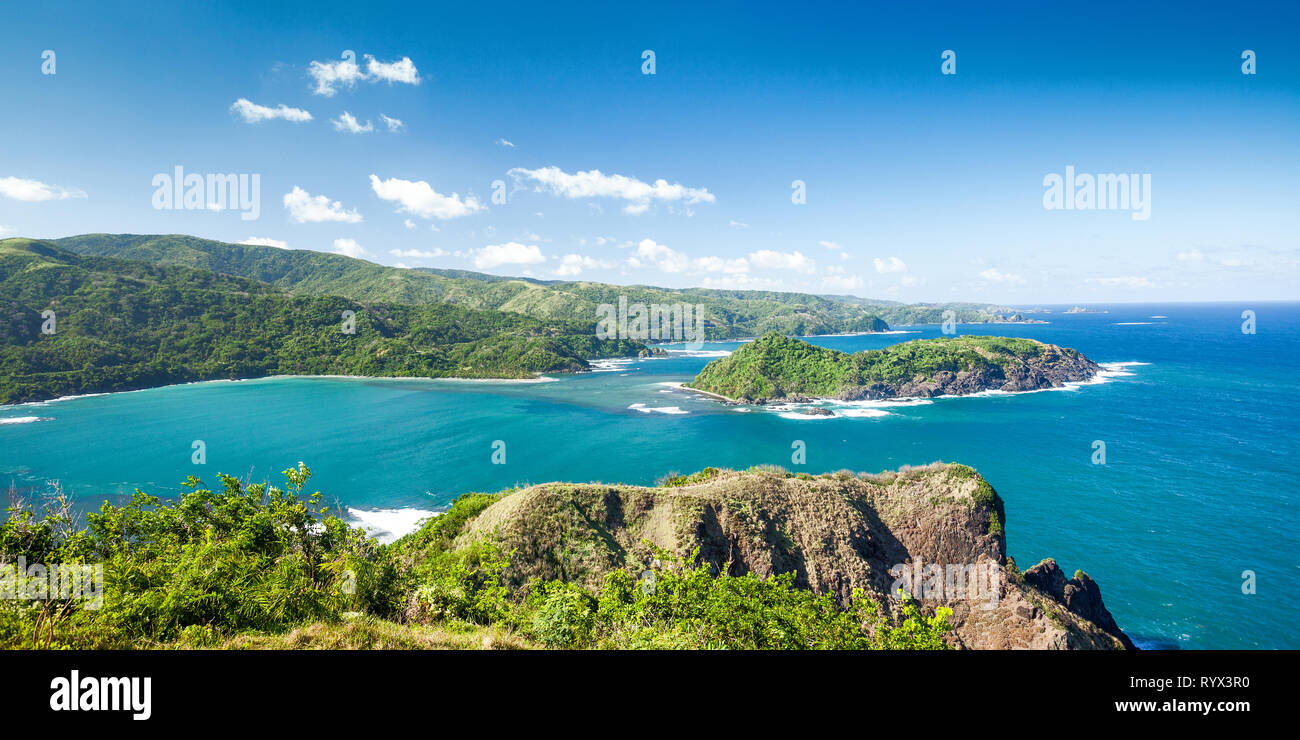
5 230
510 253
842 282
771 260
307 209
720 264
1123 281
739 224
742 282
1191 255
415 253
403 71
350 248
420 199
253 113
506 143
33 191
651 253
995 276
393 124
347 123
574 264
830 245
891 264
330 76
595 184
264 241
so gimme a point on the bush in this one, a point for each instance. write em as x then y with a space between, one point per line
566 617
689 607
464 586
212 563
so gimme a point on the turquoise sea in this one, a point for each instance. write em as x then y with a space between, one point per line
1199 422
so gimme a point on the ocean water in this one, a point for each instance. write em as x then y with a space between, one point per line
1199 422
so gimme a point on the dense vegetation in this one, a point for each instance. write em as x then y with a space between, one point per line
728 313
264 566
776 366
123 324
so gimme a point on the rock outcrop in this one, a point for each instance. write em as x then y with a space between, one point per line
1081 595
935 532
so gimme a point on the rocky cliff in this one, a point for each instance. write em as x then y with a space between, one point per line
936 532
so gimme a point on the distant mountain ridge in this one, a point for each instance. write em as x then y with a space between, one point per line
729 314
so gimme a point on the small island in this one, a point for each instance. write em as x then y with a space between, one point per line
780 368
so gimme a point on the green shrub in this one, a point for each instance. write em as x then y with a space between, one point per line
691 607
565 618
676 480
465 585
238 559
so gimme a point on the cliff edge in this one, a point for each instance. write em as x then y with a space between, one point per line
936 532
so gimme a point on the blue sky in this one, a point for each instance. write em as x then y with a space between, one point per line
919 185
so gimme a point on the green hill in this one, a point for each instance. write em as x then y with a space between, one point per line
775 367
123 324
729 314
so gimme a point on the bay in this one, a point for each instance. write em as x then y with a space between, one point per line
1199 423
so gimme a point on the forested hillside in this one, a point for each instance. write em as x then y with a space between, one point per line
121 324
729 314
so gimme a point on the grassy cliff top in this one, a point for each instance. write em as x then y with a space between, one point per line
835 534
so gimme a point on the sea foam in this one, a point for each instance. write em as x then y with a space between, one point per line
387 525
657 409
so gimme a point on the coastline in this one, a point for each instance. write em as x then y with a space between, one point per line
537 378
716 396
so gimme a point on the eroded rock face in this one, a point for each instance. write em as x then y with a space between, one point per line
1052 369
1081 595
836 532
